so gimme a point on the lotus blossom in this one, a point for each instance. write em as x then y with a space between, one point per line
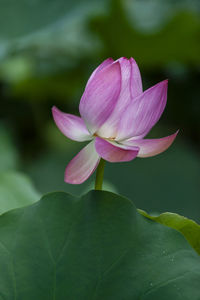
116 115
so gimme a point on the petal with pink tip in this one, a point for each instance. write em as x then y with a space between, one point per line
114 153
104 64
82 165
71 126
131 86
152 147
100 96
108 129
135 80
143 113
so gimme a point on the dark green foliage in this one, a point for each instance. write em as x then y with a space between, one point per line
94 247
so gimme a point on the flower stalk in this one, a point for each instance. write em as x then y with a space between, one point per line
99 175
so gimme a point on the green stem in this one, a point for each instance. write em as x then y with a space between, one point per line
99 175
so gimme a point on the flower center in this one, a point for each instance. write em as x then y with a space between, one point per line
109 139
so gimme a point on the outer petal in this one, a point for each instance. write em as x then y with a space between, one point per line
71 126
100 96
152 147
143 113
104 64
82 165
113 153
131 86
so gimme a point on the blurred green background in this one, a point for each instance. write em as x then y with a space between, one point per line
48 50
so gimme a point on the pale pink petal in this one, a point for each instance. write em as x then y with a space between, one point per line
151 147
113 153
105 63
135 80
109 128
71 126
82 165
143 113
100 96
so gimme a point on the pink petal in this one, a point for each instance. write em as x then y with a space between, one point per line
100 96
151 147
105 63
71 126
131 86
113 153
143 113
135 80
82 165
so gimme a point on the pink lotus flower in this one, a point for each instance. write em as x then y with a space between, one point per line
116 115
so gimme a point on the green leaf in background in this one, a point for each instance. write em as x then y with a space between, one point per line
47 27
9 156
167 43
189 228
94 247
16 190
148 16
46 45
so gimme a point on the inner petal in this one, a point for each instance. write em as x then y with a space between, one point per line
113 152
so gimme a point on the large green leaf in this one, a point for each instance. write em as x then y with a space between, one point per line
95 247
189 228
16 190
